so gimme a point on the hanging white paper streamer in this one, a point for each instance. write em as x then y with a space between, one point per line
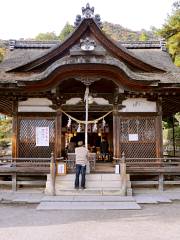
95 127
69 122
79 128
103 123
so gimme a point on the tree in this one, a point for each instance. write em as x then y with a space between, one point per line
46 36
5 132
171 32
68 28
2 49
2 53
143 37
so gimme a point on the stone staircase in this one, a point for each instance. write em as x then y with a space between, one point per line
98 184
88 203
103 191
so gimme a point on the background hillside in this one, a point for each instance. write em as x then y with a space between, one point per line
120 33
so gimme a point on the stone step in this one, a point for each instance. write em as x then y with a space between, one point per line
90 177
89 184
88 205
91 191
91 198
96 184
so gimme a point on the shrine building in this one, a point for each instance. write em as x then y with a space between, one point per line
88 87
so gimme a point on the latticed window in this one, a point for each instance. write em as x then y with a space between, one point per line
138 137
27 138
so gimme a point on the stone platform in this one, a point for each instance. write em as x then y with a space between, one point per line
88 202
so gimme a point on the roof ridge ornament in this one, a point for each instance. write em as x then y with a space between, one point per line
87 13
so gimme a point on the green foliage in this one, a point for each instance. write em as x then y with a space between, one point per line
119 33
5 132
2 53
143 37
168 122
177 60
171 32
68 28
46 36
177 116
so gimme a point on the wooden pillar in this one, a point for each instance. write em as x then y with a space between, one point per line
53 175
174 142
123 174
14 182
115 132
161 182
15 129
159 131
58 131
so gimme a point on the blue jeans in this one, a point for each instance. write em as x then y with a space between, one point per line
80 170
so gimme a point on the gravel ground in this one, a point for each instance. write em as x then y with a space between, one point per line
158 221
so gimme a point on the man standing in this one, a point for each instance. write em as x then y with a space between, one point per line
81 161
104 148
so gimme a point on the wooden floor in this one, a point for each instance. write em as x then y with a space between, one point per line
104 167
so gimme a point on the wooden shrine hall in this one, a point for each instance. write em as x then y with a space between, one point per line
126 87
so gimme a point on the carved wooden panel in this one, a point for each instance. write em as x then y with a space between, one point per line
27 138
138 137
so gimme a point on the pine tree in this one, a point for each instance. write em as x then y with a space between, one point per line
171 32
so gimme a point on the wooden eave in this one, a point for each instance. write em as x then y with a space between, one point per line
83 70
107 43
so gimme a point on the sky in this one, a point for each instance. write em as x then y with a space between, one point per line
27 18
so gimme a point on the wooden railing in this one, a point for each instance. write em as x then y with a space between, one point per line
160 167
70 161
14 167
148 164
36 166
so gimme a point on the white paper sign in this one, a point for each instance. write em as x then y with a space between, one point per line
117 170
42 136
133 137
61 168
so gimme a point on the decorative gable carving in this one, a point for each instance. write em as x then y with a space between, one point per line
88 12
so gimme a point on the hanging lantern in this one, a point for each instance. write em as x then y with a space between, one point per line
103 123
69 122
79 128
94 127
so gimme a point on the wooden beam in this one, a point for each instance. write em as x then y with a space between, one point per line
161 182
14 182
159 138
15 135
58 134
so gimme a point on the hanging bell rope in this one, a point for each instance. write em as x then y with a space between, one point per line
83 122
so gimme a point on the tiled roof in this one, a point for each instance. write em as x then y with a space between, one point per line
22 52
13 44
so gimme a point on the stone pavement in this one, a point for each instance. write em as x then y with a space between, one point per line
37 196
88 202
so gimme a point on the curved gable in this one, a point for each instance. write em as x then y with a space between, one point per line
88 27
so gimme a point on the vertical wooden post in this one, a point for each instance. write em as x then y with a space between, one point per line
159 138
58 132
123 174
174 142
15 129
161 182
53 174
14 182
115 131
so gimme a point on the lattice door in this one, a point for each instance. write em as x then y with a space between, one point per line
27 138
137 137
